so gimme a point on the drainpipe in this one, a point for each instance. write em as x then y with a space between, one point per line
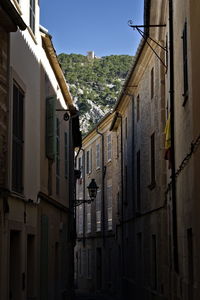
83 169
122 191
103 173
173 169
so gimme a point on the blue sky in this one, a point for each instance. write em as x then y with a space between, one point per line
78 26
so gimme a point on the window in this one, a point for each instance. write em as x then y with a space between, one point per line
98 211
90 165
80 262
125 185
138 182
17 139
138 108
118 203
57 156
50 127
89 224
152 83
166 53
185 64
32 15
117 146
154 262
153 168
139 246
80 219
126 128
190 263
80 167
66 155
109 147
109 206
89 263
98 156
87 161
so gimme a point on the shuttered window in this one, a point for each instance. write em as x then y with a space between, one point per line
17 139
50 128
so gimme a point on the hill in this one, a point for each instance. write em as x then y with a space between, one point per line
94 83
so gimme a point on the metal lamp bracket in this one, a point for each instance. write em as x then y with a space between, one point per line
146 37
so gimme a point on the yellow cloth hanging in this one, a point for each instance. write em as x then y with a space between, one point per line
168 134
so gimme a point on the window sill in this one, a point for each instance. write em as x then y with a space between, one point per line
17 195
152 185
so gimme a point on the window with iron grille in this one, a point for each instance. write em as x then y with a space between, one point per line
32 15
17 139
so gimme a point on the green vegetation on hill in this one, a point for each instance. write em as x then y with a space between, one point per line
95 83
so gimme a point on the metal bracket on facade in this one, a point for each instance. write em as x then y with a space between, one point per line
66 115
79 202
145 36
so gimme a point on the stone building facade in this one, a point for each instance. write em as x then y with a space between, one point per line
97 251
162 89
155 167
37 193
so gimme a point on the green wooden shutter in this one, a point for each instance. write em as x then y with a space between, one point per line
44 258
50 128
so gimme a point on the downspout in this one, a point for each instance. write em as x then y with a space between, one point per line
83 168
173 170
102 185
122 191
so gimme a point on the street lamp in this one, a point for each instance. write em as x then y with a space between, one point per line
92 190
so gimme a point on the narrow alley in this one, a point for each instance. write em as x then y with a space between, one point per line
100 197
